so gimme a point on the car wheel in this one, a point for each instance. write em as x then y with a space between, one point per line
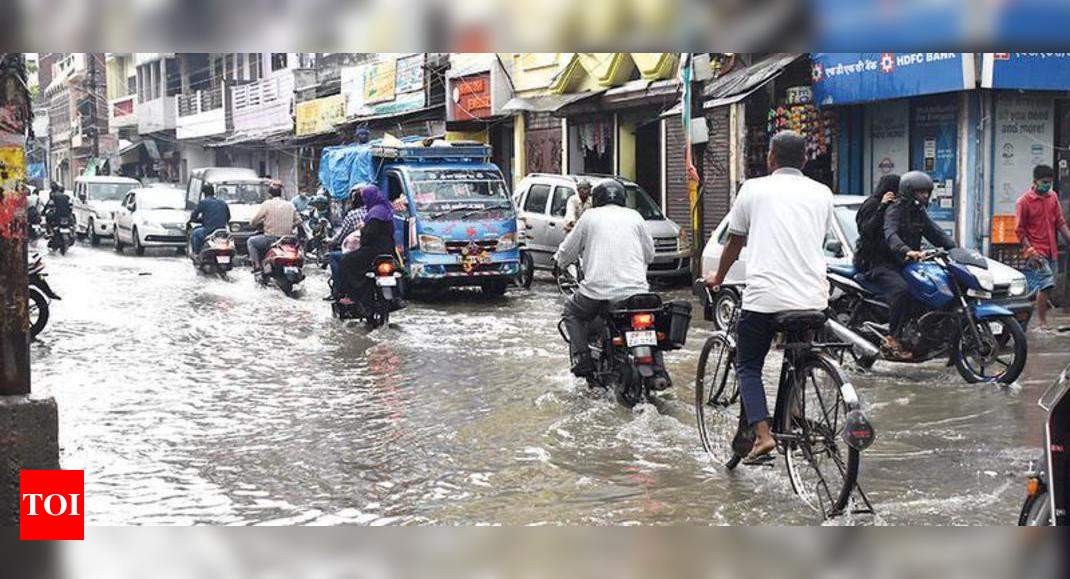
116 242
138 248
725 304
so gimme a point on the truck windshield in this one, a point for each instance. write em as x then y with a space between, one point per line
436 193
110 191
241 193
640 201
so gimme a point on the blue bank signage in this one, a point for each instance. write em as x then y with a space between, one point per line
1026 70
858 77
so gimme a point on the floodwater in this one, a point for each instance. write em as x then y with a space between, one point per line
192 400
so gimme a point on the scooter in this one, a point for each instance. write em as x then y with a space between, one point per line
386 298
527 262
282 264
313 233
61 235
1047 496
982 339
217 253
40 294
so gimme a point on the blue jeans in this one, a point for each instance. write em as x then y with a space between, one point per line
197 237
335 260
1040 274
258 246
756 332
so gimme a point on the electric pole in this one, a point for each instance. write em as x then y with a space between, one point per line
92 56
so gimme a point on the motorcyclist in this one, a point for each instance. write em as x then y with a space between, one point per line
211 213
346 238
277 217
906 224
870 220
58 207
616 247
376 238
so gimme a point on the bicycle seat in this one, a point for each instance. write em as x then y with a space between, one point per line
799 320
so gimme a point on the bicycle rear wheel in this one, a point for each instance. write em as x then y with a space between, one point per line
715 383
823 469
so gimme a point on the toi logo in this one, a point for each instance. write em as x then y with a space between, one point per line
51 505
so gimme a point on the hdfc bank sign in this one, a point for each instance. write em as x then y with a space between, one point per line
51 505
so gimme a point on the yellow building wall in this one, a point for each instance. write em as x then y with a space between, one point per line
626 147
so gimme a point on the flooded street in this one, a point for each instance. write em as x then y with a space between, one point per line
190 400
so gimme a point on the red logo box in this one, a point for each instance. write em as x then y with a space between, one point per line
52 505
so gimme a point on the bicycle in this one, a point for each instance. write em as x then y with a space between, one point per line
817 423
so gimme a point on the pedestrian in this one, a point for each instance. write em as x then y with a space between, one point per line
783 219
278 218
1039 221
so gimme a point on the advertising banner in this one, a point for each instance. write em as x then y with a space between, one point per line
855 77
319 115
1026 70
380 79
934 150
889 139
1025 131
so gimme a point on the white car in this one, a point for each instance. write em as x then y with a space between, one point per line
1010 285
95 200
151 217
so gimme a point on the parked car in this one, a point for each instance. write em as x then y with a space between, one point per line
151 217
242 190
541 199
95 200
1010 285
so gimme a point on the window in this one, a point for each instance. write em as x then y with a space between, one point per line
173 76
254 65
537 196
394 187
194 194
228 68
560 202
278 61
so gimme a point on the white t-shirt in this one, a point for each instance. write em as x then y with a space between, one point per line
785 217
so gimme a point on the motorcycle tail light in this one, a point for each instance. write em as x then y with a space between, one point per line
619 342
642 321
385 268
645 359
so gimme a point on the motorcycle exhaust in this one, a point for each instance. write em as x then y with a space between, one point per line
866 352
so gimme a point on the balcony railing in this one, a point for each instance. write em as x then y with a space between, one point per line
200 101
264 104
200 114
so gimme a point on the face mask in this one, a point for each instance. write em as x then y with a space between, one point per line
1042 188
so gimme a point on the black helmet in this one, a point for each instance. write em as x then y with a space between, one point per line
608 191
913 181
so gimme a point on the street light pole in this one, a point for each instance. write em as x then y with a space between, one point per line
14 321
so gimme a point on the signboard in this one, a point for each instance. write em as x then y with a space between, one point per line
1026 70
353 89
933 144
1025 132
319 115
410 74
855 77
380 79
889 139
470 97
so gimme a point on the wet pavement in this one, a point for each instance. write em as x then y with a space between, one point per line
192 400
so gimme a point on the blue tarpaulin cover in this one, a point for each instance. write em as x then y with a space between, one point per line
343 166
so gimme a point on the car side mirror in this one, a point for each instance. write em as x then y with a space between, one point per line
133 207
835 247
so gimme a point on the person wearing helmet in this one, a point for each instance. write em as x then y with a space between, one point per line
58 206
212 214
577 204
906 225
616 247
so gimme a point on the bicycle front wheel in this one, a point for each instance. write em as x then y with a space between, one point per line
715 384
823 469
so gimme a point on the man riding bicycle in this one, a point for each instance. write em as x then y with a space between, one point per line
783 218
616 247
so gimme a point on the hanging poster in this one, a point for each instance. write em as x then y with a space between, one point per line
933 145
1025 132
889 138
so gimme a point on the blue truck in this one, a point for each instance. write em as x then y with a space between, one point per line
455 223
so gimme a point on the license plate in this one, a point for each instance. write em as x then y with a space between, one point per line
223 258
646 338
289 269
996 327
386 281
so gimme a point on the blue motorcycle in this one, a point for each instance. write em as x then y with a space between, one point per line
982 339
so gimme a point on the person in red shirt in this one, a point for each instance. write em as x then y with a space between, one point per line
1040 220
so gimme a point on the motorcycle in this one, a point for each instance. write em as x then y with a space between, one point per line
983 340
313 232
217 253
626 344
1047 489
282 264
61 235
527 262
386 298
40 294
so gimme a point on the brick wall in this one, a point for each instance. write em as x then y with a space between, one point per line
716 187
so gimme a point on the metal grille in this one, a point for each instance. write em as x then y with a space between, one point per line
665 245
458 246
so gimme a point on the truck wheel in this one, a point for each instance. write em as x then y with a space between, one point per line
91 230
495 288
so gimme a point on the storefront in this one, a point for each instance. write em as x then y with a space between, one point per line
476 98
901 112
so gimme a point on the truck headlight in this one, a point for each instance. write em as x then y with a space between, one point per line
1018 286
683 241
506 242
432 244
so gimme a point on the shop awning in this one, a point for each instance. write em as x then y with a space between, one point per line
546 103
251 140
739 84
632 94
132 152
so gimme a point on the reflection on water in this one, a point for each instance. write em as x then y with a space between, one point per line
193 400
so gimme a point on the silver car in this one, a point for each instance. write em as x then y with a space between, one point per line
541 199
839 249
